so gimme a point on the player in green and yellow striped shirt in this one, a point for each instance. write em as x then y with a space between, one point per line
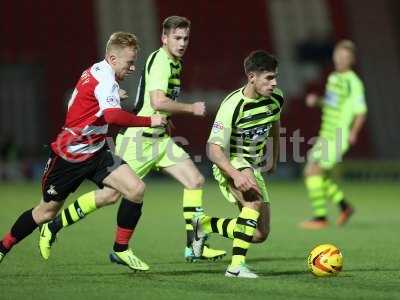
343 115
237 146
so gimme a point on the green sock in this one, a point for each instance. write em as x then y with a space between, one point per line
76 211
222 226
245 227
316 193
192 204
332 191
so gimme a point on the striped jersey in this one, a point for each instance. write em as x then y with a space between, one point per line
242 124
161 72
344 99
84 131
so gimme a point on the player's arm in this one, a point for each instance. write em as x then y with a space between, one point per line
360 110
160 102
241 181
107 95
119 117
358 123
275 146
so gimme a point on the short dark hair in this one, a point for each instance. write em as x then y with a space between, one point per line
260 61
174 22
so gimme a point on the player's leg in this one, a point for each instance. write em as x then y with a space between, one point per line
251 226
314 181
60 178
27 222
75 212
336 195
189 176
126 182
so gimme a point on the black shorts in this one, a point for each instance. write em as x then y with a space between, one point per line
61 177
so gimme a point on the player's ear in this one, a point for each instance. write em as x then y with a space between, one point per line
164 38
251 76
112 58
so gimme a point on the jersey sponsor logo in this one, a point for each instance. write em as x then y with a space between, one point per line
331 99
217 127
112 100
51 190
256 133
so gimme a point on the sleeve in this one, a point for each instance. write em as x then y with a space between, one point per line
277 95
222 127
358 98
158 76
106 93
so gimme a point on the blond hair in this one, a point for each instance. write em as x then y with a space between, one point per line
346 44
119 40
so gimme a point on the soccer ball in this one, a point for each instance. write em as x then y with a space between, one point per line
325 260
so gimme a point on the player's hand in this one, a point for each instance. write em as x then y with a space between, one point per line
245 183
123 95
158 121
352 138
311 100
199 109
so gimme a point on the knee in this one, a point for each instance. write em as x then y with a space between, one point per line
312 169
255 205
196 182
44 216
113 197
260 236
135 192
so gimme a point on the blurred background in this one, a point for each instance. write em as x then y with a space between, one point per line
45 45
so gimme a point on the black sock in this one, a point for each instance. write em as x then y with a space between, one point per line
343 204
56 225
189 238
128 216
24 226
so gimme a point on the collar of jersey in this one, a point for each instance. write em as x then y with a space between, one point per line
250 99
107 65
174 62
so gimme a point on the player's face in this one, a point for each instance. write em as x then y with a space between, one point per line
343 59
176 41
123 62
263 82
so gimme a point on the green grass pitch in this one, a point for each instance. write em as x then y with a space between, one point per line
79 266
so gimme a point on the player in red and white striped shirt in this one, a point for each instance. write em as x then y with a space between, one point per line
80 152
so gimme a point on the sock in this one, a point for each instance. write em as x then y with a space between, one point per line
245 227
128 216
192 205
316 192
222 226
75 212
23 227
7 243
334 193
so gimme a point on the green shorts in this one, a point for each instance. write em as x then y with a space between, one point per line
327 153
239 164
144 154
